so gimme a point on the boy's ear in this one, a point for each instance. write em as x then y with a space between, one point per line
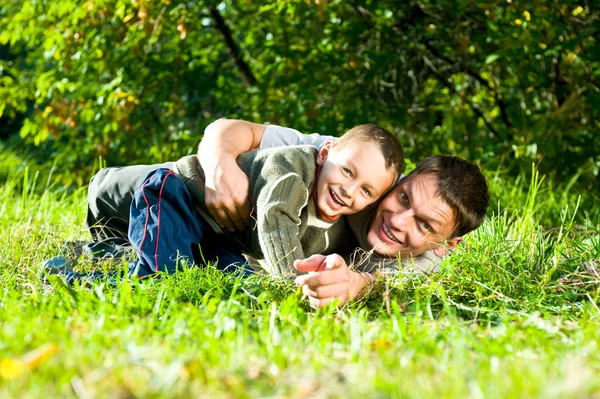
324 152
447 246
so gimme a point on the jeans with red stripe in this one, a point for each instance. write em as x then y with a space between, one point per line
166 230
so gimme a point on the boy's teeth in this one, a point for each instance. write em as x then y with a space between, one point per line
336 198
388 233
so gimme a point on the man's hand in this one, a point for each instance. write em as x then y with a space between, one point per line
226 186
329 279
227 195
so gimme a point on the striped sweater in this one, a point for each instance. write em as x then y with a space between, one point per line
284 224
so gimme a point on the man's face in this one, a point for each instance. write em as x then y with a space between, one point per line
412 219
351 178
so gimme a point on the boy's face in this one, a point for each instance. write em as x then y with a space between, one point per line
351 178
412 219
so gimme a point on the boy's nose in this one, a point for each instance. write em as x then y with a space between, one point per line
348 190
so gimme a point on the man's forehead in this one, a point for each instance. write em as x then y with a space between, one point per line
424 187
421 182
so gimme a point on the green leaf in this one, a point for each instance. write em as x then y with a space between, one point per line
491 58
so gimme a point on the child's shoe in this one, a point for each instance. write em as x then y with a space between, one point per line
56 265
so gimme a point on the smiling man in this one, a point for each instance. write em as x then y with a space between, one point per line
440 201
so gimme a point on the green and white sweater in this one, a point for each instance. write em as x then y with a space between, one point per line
284 223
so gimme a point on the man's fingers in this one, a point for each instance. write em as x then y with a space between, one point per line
240 215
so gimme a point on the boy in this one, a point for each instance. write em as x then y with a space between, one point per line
298 195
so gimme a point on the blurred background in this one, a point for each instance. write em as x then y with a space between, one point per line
504 83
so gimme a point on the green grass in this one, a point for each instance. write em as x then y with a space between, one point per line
515 314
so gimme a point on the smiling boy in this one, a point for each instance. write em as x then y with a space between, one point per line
298 194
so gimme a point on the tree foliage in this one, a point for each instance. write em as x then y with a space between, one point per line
133 81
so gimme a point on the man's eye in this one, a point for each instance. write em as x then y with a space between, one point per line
404 197
426 227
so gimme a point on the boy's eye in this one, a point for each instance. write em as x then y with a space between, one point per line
366 191
347 171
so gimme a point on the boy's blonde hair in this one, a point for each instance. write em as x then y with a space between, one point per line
386 142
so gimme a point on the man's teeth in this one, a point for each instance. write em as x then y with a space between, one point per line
388 233
337 199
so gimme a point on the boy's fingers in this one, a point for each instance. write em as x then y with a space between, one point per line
223 219
241 215
334 261
334 276
328 291
310 264
307 292
321 303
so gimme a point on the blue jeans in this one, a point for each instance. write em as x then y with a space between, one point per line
165 229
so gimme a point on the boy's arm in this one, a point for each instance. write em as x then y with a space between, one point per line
226 184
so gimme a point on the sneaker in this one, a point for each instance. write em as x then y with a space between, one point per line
56 265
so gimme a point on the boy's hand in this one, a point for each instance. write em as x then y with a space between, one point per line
227 195
329 279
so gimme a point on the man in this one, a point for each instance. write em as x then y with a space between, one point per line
422 218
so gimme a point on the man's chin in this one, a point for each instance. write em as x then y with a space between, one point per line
388 251
383 249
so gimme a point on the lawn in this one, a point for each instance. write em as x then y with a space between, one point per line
514 314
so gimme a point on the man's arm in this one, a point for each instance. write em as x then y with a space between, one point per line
226 184
329 279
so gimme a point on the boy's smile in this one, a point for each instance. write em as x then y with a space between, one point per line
351 178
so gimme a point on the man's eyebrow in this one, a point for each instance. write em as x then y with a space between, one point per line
430 220
408 190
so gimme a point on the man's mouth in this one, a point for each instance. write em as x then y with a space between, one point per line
387 233
336 200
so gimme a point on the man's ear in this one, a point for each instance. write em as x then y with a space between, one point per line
324 152
447 246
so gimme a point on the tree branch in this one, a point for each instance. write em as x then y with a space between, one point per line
444 81
469 71
232 47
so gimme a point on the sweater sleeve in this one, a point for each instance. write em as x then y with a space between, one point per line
282 190
425 263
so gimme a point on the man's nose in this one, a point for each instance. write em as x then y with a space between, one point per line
401 220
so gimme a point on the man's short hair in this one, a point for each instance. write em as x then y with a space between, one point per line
462 186
384 140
